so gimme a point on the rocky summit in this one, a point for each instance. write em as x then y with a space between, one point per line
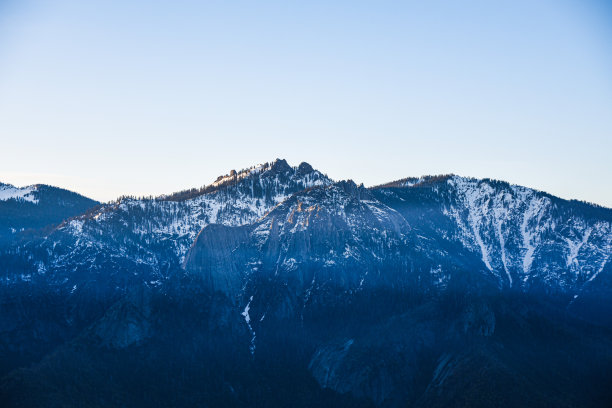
278 286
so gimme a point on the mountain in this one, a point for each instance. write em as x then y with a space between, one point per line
526 240
277 286
78 270
35 207
424 234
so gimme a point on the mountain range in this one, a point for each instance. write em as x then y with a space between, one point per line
278 286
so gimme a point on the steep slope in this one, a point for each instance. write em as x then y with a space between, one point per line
335 230
527 240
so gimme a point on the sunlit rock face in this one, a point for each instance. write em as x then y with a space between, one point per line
422 292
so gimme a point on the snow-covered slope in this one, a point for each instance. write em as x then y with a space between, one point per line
10 192
235 199
524 238
144 239
524 235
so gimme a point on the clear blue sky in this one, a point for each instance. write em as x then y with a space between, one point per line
148 97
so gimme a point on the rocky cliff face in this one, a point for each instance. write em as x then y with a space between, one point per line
335 235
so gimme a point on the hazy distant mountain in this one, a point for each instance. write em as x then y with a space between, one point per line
276 286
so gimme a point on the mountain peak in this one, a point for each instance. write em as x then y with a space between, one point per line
280 165
304 168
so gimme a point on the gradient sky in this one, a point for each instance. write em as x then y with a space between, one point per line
149 97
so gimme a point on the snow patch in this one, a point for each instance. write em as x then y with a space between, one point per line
9 192
247 319
575 246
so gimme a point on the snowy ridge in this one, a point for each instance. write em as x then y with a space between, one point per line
10 192
260 189
155 234
235 177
